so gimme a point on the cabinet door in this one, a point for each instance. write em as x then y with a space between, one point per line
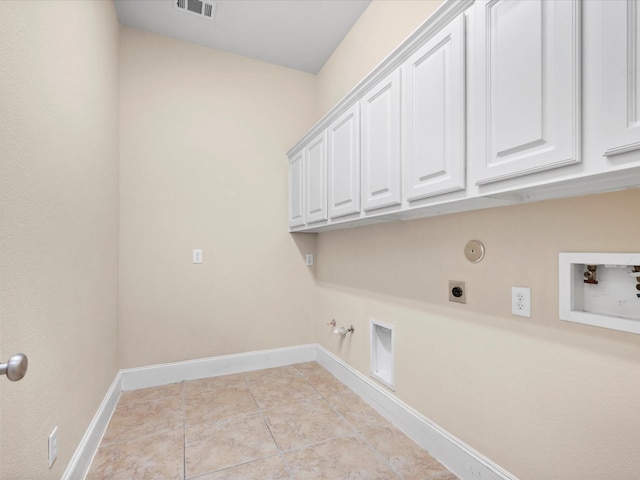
295 190
344 164
621 57
433 115
525 93
315 179
380 133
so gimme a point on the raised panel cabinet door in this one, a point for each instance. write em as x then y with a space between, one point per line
525 87
433 115
380 137
296 218
621 55
343 167
315 179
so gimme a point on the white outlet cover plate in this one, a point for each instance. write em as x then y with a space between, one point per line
521 301
197 255
53 446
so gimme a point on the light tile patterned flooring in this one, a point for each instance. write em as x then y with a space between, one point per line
296 422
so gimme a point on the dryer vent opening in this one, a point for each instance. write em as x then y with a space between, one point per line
382 353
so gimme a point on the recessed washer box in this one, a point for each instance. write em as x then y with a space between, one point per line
382 364
611 299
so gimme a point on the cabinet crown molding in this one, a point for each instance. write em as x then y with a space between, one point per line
430 27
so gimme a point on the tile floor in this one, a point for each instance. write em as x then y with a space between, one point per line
296 422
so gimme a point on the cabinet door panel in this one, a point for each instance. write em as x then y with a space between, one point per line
516 94
621 57
296 180
315 172
434 116
344 164
525 87
381 166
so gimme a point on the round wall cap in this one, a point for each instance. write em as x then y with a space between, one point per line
474 251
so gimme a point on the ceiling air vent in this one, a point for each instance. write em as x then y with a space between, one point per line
201 8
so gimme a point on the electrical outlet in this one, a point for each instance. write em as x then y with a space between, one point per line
308 259
197 255
457 292
53 446
521 301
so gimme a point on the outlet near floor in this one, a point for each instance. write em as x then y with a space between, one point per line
521 301
53 446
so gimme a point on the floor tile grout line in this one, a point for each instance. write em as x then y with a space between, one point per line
309 399
360 433
320 394
251 460
261 412
129 403
380 455
287 466
431 477
319 442
128 406
353 427
356 432
266 424
235 465
155 433
296 402
280 450
353 433
226 417
334 408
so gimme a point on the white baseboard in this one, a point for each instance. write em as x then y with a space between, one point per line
164 374
458 457
83 456
157 375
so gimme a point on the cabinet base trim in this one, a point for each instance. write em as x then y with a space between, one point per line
611 152
522 173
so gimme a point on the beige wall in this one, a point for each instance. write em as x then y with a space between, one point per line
58 224
543 398
202 165
202 142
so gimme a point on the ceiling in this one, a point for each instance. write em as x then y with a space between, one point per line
299 34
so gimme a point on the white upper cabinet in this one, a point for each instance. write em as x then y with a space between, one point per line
480 106
524 88
344 164
315 179
621 58
380 127
296 180
433 93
